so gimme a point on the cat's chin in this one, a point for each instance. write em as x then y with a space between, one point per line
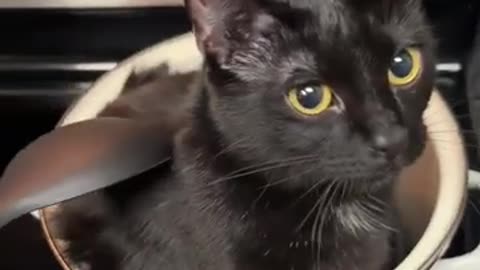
370 186
351 187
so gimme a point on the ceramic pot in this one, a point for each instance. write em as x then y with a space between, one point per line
431 194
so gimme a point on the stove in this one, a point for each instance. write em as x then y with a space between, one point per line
54 55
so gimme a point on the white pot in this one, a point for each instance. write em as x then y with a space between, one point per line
431 195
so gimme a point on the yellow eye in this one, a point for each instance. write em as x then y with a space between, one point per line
310 100
405 67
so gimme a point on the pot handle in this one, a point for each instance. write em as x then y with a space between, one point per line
469 261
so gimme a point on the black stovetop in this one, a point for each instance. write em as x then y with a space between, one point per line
39 78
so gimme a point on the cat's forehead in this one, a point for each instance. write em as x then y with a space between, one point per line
339 8
401 18
327 36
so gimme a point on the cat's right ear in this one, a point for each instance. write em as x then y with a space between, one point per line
198 13
211 20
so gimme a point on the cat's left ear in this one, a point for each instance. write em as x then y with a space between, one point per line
214 20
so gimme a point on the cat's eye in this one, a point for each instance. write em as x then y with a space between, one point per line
405 67
310 100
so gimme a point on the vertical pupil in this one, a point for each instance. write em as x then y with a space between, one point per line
402 64
310 97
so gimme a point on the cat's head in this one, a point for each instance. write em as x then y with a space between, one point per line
325 90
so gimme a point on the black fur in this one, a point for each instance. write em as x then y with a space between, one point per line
253 185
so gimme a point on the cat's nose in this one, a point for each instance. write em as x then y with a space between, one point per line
389 142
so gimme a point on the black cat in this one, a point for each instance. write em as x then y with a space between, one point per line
287 148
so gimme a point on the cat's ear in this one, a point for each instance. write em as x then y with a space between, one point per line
213 21
202 27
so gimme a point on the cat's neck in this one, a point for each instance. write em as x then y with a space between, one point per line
271 222
280 228
282 219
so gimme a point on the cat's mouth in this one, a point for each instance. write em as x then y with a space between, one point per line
367 179
353 189
369 186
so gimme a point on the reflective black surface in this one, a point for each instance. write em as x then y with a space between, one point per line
38 60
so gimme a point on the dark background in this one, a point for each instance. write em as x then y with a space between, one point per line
37 83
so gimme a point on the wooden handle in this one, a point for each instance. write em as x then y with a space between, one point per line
78 159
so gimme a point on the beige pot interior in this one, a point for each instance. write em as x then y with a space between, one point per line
431 194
